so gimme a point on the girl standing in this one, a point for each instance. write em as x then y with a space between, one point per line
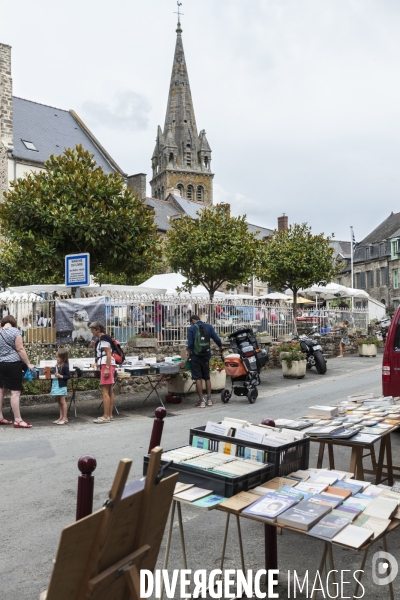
59 385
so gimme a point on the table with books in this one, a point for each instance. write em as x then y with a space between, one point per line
358 423
220 469
325 504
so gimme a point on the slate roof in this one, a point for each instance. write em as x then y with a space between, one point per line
340 247
188 206
168 208
162 210
384 231
263 231
52 130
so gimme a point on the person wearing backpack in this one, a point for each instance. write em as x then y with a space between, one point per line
199 352
106 362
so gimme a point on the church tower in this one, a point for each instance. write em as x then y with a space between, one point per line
182 157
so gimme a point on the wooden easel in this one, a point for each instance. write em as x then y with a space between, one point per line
100 556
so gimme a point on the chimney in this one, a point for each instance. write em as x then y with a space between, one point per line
137 185
6 108
283 223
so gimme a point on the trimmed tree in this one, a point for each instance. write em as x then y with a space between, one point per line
71 207
296 259
213 249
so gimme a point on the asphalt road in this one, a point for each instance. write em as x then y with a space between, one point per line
39 477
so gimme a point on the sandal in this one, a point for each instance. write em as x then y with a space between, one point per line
62 422
4 421
22 424
56 422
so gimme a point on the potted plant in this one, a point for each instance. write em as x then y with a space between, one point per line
293 361
180 383
368 346
217 375
263 337
144 339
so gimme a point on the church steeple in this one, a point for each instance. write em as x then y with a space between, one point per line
182 157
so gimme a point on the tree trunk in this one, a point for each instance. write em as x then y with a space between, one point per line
295 311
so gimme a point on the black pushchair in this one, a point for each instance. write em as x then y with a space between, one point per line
244 365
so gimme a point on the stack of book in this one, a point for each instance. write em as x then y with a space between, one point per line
327 504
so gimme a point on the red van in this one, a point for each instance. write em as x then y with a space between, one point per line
391 359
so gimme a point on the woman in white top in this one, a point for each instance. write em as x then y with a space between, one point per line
12 360
106 362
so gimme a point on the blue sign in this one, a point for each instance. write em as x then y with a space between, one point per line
77 270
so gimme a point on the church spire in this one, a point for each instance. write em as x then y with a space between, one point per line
180 148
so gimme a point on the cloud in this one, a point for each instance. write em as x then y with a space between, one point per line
245 205
129 112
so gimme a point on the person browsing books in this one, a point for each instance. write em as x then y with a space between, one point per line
199 352
106 362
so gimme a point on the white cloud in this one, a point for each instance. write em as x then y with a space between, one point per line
129 111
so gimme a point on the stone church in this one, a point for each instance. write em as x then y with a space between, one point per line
182 157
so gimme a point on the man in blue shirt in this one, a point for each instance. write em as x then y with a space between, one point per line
201 364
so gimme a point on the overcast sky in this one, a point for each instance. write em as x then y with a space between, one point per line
300 99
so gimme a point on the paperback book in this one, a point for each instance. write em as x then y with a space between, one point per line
304 515
270 506
329 526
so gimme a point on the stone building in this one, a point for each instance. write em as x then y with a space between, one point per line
376 263
182 156
30 132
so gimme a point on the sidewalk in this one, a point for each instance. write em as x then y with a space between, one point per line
132 405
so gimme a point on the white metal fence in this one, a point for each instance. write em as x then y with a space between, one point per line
167 318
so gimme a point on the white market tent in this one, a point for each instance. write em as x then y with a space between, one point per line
97 289
334 290
172 281
275 296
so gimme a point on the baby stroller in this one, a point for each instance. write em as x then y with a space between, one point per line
244 365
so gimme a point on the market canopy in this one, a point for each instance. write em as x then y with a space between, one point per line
275 296
172 281
331 291
104 290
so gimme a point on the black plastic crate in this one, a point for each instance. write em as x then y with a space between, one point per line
223 486
285 459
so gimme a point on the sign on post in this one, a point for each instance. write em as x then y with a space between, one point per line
77 269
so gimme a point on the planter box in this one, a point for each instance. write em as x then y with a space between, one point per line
179 385
296 371
264 339
284 338
367 350
218 381
139 342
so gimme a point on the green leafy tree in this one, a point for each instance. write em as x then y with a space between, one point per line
71 207
213 249
295 259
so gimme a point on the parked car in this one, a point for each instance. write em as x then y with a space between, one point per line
391 358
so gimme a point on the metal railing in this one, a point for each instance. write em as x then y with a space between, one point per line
167 318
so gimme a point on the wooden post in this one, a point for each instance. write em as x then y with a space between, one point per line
158 426
271 548
84 500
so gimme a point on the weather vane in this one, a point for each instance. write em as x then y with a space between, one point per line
179 11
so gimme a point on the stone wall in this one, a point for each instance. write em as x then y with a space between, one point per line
3 171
